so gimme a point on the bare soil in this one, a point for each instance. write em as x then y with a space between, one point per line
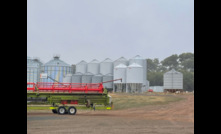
172 118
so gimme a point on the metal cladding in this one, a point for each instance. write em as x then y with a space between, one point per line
67 78
121 60
156 88
76 78
120 71
108 77
173 80
33 70
134 78
139 60
56 69
134 73
119 87
97 78
87 77
106 66
81 67
93 67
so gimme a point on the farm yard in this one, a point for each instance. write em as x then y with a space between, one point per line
152 113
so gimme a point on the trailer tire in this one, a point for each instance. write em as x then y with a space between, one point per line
61 110
72 110
54 111
88 103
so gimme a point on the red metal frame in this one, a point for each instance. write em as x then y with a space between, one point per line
66 87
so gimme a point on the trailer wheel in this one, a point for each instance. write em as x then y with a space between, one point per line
88 103
54 111
61 110
72 110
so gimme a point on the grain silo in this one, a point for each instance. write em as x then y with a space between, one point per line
120 72
87 77
76 78
134 78
106 66
108 85
67 78
97 78
141 61
121 60
33 70
81 67
93 67
173 81
56 69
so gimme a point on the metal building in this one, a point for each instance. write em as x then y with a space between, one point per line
93 67
109 85
120 72
87 77
121 60
76 78
33 70
134 78
106 66
173 80
141 61
97 78
56 69
67 78
156 88
81 67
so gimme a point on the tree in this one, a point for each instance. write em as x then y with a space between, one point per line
171 62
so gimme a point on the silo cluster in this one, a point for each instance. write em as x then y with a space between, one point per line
33 70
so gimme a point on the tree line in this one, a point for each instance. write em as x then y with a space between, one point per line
183 63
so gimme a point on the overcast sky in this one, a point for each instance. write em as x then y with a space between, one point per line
98 29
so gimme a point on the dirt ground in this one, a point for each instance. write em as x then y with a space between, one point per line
172 118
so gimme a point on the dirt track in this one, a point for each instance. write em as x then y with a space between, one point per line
172 118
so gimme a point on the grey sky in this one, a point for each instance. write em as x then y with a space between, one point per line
98 29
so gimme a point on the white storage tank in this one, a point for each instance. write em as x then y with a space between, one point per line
173 80
87 77
121 60
76 78
93 67
141 61
134 78
120 72
67 78
97 78
106 66
81 67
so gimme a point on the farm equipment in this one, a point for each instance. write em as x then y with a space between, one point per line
65 97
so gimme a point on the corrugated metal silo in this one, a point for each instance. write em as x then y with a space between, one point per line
109 85
97 78
141 61
33 70
81 67
76 78
173 80
93 67
134 78
87 77
56 69
67 78
121 60
120 72
106 66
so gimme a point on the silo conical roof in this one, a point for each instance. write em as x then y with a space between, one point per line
172 71
56 62
121 59
121 66
94 61
134 65
107 60
137 57
78 73
81 62
88 73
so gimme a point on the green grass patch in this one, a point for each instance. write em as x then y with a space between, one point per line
131 101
